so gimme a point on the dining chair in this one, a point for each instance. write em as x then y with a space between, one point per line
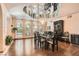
41 41
56 38
66 35
36 42
53 42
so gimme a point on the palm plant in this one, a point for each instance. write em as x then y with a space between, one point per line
14 29
8 40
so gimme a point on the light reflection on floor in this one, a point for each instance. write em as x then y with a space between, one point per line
25 47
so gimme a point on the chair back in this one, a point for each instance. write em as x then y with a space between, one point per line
66 34
37 36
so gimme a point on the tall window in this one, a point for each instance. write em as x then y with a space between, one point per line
25 28
20 28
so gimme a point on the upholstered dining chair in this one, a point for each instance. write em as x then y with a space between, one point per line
53 42
35 39
38 40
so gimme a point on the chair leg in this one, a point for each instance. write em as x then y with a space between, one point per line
35 43
40 44
57 47
47 46
53 47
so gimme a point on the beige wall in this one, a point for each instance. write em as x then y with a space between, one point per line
6 25
71 24
1 30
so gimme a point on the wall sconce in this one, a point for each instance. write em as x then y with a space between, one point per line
11 25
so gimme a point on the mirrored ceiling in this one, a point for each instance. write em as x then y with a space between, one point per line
41 10
32 10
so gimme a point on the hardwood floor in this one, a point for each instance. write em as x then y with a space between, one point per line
25 47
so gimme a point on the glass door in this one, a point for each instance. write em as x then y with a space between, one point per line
28 28
20 29
25 28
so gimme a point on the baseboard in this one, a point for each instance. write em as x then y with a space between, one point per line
23 38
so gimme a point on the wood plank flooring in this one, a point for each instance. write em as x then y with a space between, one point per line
25 47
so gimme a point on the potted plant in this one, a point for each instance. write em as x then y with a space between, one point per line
8 40
14 29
